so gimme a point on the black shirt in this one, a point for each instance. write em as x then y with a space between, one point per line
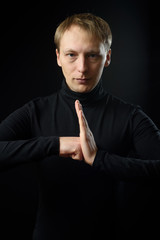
77 201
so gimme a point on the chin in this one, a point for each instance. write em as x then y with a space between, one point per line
83 89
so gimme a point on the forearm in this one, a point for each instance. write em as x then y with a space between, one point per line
126 168
21 151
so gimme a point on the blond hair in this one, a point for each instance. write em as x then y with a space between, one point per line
89 22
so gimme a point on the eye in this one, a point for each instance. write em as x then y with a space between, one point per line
71 55
93 55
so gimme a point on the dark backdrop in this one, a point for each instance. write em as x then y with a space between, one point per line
28 69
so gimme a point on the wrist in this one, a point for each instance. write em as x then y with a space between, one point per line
92 158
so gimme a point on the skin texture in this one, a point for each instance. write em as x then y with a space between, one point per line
82 147
82 58
88 145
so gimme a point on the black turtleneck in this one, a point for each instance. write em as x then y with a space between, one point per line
74 197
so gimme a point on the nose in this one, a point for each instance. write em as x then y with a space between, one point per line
82 64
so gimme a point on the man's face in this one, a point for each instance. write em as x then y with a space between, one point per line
82 58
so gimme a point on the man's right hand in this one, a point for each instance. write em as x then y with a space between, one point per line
70 147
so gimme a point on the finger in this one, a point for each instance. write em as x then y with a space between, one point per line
77 156
79 112
78 107
82 125
85 120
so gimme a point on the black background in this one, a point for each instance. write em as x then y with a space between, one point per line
28 69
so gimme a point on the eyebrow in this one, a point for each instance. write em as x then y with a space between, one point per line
69 50
89 51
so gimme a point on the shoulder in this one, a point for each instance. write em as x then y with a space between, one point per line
134 113
36 106
119 105
41 102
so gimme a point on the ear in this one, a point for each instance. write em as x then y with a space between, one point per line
58 58
108 58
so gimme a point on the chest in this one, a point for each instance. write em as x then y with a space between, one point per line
111 131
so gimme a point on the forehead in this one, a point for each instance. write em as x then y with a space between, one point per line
76 37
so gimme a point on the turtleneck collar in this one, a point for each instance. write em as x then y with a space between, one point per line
85 98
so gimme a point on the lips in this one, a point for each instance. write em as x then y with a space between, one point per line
82 80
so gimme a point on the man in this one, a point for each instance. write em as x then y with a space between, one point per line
83 140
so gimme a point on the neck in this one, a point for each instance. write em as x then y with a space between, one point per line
85 98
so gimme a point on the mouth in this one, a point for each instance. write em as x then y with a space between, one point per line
82 80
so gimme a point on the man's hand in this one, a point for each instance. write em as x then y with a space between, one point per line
88 145
70 147
79 148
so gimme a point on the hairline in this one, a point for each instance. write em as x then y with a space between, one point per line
100 28
85 29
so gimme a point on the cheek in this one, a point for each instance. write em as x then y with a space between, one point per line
98 69
71 67
67 69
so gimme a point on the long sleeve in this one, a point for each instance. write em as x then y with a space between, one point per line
146 147
17 143
126 168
